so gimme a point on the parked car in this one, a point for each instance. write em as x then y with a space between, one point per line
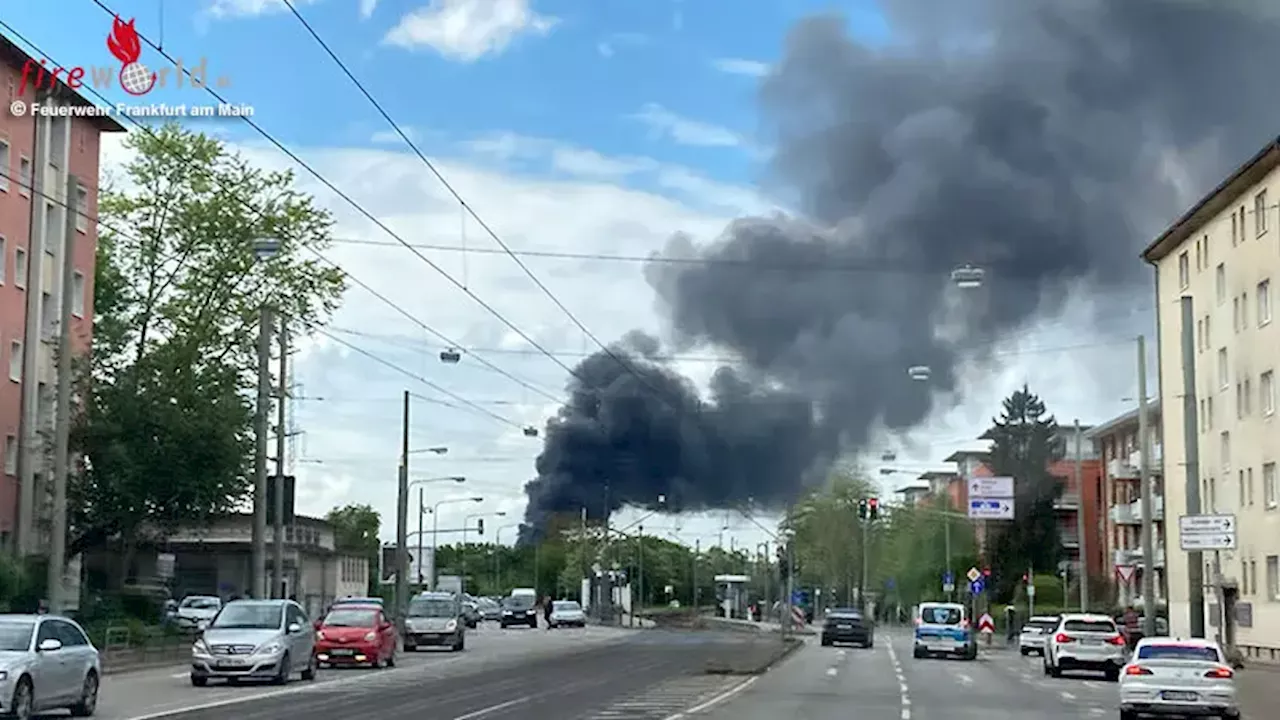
1036 633
195 611
357 635
490 609
435 618
255 640
47 663
567 613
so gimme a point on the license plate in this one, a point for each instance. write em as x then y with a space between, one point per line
1179 696
941 647
1091 642
845 627
229 664
342 651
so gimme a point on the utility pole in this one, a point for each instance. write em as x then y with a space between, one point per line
1083 574
582 549
640 571
421 511
1191 439
62 413
697 554
862 584
946 540
402 519
277 559
1144 475
261 428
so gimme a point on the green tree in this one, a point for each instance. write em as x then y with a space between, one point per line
828 534
1024 445
166 428
355 532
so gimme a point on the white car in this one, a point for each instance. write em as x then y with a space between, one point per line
47 663
1084 641
1032 637
1167 676
567 613
195 611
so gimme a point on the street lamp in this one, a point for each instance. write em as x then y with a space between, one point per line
450 356
919 373
438 450
435 527
968 277
479 518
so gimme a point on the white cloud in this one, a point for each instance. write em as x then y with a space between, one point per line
391 137
250 8
367 7
687 131
467 30
738 66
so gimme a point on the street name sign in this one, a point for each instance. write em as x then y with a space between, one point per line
991 487
991 508
1207 532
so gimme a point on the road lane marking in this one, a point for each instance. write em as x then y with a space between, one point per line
903 690
1067 696
965 679
495 708
715 700
831 672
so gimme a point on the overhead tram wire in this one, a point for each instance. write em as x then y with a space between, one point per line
260 213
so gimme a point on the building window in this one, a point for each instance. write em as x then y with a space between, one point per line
1224 449
1213 495
1224 373
1267 392
1244 310
1249 485
4 165
15 361
4 258
1273 577
1239 401
24 176
82 208
1208 332
1220 282
1260 212
11 455
19 267
1269 484
1247 397
1184 270
77 294
1264 302
1235 230
1240 488
1235 314
1209 407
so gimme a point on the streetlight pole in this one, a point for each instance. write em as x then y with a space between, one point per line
435 531
497 556
402 520
264 249
422 507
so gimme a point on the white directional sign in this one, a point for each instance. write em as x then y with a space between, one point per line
991 508
1207 532
991 487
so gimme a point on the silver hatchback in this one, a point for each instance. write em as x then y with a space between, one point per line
255 640
46 663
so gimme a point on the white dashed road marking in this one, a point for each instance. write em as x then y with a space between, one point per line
902 683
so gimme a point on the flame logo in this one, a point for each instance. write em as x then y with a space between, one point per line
123 42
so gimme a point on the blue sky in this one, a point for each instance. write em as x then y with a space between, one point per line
600 127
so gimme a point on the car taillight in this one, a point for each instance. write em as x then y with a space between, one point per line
1063 638
1136 670
1117 640
1222 673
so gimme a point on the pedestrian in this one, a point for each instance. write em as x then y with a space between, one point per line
1011 623
546 610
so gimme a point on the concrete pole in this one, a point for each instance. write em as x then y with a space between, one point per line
1144 475
261 426
1083 574
421 511
1191 441
62 413
277 551
435 542
402 519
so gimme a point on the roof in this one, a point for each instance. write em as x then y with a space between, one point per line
16 56
959 455
1245 176
939 474
912 488
1129 418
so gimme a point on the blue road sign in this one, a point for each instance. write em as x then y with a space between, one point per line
797 597
891 583
948 578
977 586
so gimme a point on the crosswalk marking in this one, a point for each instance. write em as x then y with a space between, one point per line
665 699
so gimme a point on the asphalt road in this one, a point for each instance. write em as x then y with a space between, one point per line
514 674
887 683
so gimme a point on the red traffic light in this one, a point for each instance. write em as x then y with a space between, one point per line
874 502
1024 577
986 571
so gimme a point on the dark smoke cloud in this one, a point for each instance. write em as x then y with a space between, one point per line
1033 138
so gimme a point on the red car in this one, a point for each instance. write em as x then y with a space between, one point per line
356 635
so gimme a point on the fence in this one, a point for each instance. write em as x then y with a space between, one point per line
125 648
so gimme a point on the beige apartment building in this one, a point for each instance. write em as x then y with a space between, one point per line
1224 253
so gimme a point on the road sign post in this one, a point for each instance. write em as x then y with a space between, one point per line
1207 532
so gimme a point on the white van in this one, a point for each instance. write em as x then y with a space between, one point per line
943 629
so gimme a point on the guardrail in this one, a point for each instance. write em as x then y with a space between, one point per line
127 649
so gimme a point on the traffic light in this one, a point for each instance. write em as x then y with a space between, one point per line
862 509
873 508
480 526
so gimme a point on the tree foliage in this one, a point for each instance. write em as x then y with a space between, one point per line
355 532
166 427
1024 445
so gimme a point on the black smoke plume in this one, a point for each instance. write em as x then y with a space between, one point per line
1045 141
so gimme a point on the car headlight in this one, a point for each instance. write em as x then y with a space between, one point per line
199 648
4 675
451 626
370 637
507 612
271 648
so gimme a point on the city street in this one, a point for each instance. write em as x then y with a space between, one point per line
887 683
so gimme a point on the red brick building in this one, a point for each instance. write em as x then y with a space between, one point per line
38 155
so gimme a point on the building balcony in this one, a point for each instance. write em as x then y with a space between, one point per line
1120 469
1131 513
1069 538
1133 556
1068 501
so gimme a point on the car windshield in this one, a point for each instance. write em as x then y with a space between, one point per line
1090 626
432 608
15 636
1178 652
1043 625
351 617
201 603
940 616
256 616
568 605
518 602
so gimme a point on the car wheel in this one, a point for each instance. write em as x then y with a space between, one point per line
826 642
917 653
1128 715
869 644
198 680
1055 671
1024 652
282 674
1045 665
88 697
1113 674
312 668
20 706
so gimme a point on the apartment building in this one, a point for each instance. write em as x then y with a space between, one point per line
37 156
1116 444
1224 256
1083 496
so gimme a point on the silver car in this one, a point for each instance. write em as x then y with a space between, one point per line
1085 642
46 663
1032 637
1178 677
567 613
435 618
255 640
